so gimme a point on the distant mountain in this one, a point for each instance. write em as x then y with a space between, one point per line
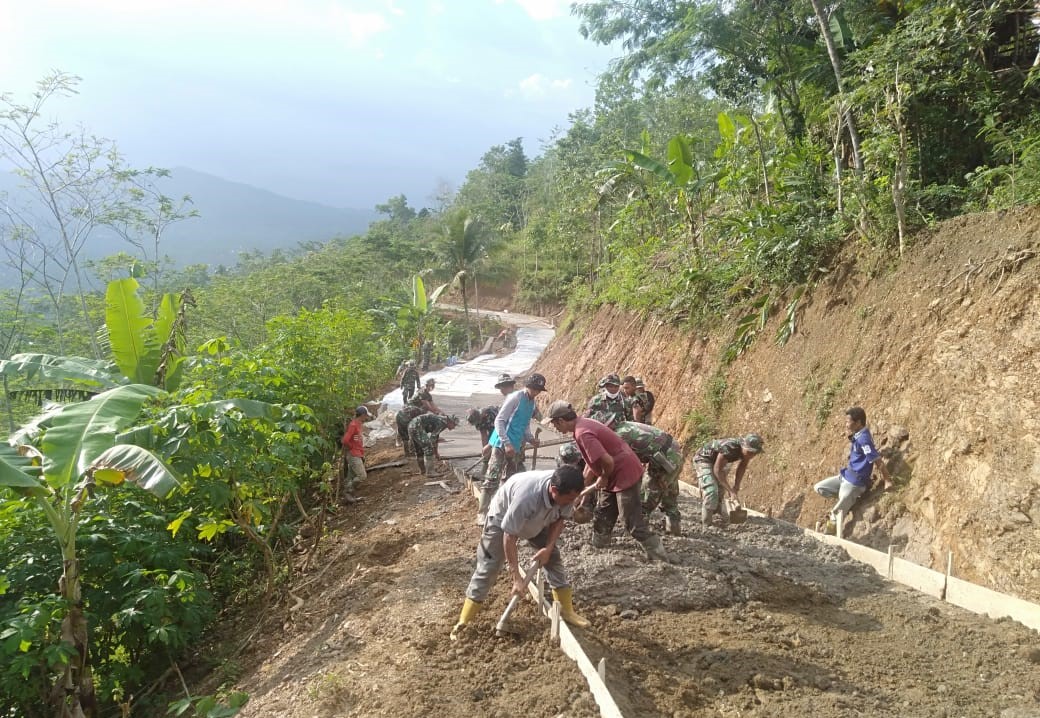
233 217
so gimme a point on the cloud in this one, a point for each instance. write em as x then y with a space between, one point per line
542 9
361 26
538 87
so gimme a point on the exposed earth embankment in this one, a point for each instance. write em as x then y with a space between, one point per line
943 351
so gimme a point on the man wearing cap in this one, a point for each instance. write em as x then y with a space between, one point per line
409 381
424 431
353 455
613 468
512 430
609 403
531 506
711 462
855 479
663 459
424 398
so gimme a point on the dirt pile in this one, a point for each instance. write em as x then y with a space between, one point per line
943 352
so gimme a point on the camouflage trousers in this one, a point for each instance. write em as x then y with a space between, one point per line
661 487
712 501
500 467
424 444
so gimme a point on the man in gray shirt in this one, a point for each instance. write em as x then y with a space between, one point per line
532 505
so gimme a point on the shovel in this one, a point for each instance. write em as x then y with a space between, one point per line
500 627
737 513
534 455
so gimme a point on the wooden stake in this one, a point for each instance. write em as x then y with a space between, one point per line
891 560
601 669
554 616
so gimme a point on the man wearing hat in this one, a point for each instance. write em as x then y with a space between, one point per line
512 430
609 403
711 463
424 431
505 384
353 472
662 456
613 468
647 399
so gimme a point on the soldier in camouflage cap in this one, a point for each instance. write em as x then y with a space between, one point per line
424 431
663 458
483 420
711 463
609 403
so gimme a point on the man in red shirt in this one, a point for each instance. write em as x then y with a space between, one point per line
353 455
613 468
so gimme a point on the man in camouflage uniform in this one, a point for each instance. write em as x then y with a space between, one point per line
424 398
647 399
403 419
711 462
663 458
483 420
609 404
633 399
424 431
409 381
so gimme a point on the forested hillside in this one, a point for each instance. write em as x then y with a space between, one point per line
170 430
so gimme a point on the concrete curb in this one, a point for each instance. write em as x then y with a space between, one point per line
944 586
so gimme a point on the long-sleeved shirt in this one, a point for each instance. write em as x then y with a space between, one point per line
514 421
353 441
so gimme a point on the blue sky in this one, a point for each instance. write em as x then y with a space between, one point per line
341 102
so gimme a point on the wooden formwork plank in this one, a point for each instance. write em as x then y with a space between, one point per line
872 557
573 650
979 599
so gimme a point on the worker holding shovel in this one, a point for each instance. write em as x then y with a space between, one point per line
532 506
711 463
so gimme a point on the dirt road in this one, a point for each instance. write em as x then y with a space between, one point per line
755 620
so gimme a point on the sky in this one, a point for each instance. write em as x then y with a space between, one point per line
343 102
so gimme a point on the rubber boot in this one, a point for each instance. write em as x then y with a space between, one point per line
433 471
655 549
600 540
567 613
485 502
672 526
470 609
422 464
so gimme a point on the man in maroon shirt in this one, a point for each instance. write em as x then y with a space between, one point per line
353 455
613 468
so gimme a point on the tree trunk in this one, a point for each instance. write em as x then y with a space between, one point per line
845 111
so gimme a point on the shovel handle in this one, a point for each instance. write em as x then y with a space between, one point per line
516 598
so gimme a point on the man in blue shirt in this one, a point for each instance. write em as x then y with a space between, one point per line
512 431
854 480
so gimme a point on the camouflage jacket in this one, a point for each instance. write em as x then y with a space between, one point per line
429 423
619 409
421 396
410 379
487 419
645 440
407 413
728 448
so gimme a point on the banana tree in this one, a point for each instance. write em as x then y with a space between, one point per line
56 464
145 350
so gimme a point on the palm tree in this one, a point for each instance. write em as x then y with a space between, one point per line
463 247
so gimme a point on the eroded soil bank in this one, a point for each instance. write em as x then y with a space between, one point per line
943 352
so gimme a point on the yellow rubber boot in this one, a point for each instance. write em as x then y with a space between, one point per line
567 612
469 610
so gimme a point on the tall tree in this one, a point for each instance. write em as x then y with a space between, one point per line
72 179
463 246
